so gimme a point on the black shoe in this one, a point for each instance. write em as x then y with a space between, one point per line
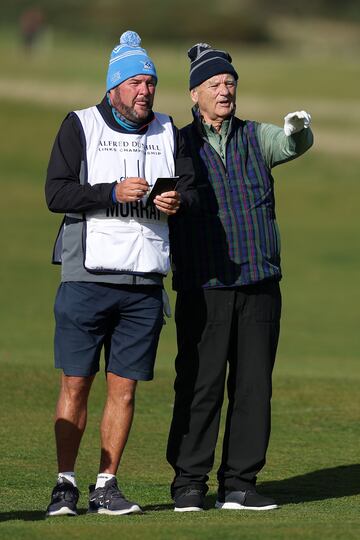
110 500
64 497
245 500
189 499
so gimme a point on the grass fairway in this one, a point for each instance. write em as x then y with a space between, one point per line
313 465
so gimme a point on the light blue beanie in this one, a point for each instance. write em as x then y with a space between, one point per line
128 60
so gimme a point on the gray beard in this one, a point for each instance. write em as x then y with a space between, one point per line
131 114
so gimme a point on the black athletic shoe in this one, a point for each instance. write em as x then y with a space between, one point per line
110 500
244 500
189 499
64 498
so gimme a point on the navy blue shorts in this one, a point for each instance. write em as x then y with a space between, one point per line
125 320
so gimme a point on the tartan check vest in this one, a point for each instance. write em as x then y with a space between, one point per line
233 239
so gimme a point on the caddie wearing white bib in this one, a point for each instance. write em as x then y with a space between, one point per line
114 252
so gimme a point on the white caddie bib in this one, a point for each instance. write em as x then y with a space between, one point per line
127 237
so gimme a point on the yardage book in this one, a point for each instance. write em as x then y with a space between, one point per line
161 186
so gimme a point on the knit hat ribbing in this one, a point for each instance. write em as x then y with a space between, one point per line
128 60
207 62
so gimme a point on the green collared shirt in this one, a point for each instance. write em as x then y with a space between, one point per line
218 139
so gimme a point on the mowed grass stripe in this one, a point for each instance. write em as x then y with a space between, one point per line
340 138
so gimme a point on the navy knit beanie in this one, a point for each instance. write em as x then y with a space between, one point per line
207 62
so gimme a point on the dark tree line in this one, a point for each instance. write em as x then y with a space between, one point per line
232 20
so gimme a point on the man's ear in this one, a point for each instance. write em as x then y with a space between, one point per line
194 95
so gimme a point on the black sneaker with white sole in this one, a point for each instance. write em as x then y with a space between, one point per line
189 499
64 498
109 500
244 500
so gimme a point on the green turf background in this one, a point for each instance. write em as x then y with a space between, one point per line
313 461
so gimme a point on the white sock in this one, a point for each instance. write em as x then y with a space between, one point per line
69 475
102 478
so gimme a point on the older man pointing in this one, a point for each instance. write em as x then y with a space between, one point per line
226 270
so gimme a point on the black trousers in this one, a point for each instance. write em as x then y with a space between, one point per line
222 331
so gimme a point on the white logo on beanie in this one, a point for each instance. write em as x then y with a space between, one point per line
116 76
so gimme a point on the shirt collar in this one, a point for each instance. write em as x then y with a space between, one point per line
206 129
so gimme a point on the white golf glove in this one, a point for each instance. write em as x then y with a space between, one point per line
296 121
